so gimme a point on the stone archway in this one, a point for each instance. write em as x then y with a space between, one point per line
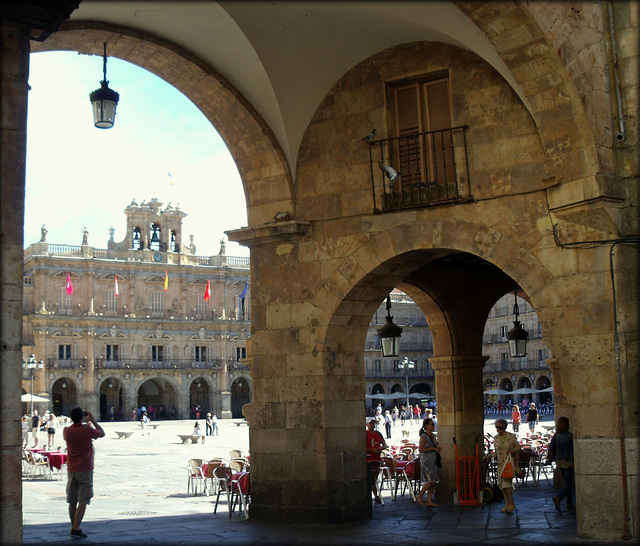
250 141
65 393
112 395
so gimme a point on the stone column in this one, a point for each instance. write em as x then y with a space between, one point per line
225 397
460 414
14 73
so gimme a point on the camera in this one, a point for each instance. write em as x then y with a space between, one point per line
85 413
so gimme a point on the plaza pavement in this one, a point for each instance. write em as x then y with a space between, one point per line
140 497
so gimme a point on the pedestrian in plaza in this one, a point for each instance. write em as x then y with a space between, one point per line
387 423
532 417
561 451
403 415
50 425
80 464
378 419
505 444
214 423
112 413
144 421
395 415
208 425
375 446
429 470
417 412
36 421
197 431
515 419
25 431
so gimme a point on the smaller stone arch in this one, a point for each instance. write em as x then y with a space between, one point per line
241 390
66 391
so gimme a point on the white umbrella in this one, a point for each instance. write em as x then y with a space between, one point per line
36 398
419 396
548 389
497 391
524 390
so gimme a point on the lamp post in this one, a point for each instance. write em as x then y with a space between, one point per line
31 365
406 365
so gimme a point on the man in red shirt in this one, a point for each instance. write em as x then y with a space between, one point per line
79 438
375 446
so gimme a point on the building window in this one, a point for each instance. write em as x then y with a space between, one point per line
541 355
241 352
64 352
110 300
376 341
157 353
112 353
157 302
396 365
200 304
503 332
200 354
65 300
504 357
174 242
423 107
378 366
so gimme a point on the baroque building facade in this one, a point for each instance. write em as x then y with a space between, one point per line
132 324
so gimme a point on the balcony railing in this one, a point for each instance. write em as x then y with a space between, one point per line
433 167
167 364
67 363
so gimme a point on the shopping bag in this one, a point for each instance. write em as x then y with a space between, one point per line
507 469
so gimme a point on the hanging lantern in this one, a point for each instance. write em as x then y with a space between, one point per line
517 337
390 334
104 100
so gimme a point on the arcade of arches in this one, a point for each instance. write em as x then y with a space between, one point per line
543 176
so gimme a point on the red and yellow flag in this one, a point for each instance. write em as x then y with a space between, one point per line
207 292
166 280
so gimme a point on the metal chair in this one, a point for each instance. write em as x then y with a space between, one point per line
208 475
239 464
195 475
38 464
240 494
223 475
387 473
409 477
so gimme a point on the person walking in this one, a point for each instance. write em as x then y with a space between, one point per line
516 419
505 444
387 423
51 430
144 421
25 431
208 425
80 464
214 424
429 471
561 451
36 421
532 417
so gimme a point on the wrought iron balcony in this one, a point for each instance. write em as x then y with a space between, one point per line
433 167
167 364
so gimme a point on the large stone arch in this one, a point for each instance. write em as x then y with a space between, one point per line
265 174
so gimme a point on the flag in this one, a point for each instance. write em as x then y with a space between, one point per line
207 292
244 292
69 285
115 287
166 280
170 179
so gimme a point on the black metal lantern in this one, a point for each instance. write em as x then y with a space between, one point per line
390 334
517 336
104 100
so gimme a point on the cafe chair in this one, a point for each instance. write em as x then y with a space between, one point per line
235 454
409 477
387 473
240 494
39 464
223 475
208 475
194 474
239 464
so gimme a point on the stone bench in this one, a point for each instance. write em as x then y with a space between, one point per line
191 438
124 435
151 425
243 422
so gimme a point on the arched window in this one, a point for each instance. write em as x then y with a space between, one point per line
155 237
136 243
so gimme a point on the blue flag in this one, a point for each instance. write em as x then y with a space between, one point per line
244 292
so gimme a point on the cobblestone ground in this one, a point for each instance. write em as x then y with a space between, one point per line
141 497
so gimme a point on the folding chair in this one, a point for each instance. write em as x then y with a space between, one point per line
240 494
407 476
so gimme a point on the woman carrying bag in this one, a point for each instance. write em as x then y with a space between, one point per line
506 448
429 467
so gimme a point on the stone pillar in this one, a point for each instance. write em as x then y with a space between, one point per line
225 397
460 414
14 73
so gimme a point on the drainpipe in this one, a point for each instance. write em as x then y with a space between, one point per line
621 135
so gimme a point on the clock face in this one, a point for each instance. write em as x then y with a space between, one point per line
157 257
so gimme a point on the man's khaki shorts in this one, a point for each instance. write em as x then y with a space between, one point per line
80 487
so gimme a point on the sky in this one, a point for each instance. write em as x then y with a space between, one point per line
161 146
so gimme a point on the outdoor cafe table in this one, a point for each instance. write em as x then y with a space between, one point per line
56 458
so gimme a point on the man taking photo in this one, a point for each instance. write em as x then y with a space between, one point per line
79 438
